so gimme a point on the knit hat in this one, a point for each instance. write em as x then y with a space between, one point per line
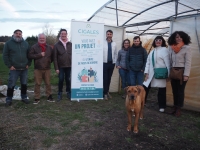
18 30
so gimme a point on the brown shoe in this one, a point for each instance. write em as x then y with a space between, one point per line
174 110
109 96
36 101
178 112
106 97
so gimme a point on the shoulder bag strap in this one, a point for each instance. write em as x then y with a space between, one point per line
153 59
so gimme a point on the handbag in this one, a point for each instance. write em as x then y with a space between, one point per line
159 73
176 73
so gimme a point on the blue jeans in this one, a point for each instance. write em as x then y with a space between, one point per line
124 74
13 77
136 77
64 74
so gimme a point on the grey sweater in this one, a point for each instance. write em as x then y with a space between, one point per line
182 59
121 58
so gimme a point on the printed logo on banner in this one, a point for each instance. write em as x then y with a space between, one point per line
88 30
88 26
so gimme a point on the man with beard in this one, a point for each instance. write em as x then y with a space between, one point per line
15 58
42 54
62 63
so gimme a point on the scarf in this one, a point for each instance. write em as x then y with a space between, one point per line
176 48
42 46
64 43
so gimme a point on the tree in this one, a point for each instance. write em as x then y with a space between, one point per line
50 37
4 38
1 48
31 40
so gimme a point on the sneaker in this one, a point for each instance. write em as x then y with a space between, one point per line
36 101
26 101
161 110
106 97
50 99
8 103
109 96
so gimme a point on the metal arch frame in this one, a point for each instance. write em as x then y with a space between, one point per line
160 20
151 21
176 8
116 12
149 28
100 9
146 10
162 34
197 32
120 10
186 5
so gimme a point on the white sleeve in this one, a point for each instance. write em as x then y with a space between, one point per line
147 66
166 59
115 53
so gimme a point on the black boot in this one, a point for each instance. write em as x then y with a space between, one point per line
9 96
10 92
23 89
23 93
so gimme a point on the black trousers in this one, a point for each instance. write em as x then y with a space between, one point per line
107 74
161 96
178 92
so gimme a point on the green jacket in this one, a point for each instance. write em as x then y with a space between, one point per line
16 54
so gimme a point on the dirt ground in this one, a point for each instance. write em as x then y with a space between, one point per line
95 125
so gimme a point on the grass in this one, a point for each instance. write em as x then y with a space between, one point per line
129 140
54 123
98 123
47 130
49 141
47 124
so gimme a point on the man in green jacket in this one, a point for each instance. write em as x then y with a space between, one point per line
15 58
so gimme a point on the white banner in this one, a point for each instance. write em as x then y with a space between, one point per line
87 60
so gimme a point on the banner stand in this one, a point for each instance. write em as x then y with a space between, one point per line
78 100
87 60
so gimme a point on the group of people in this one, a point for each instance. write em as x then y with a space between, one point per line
135 66
17 57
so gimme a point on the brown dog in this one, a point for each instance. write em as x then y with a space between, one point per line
134 103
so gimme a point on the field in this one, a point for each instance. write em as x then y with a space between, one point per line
91 125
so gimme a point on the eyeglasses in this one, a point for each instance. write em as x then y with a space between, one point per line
158 40
126 43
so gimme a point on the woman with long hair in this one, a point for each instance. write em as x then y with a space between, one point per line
121 64
180 58
160 56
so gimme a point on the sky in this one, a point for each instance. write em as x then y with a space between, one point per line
31 16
